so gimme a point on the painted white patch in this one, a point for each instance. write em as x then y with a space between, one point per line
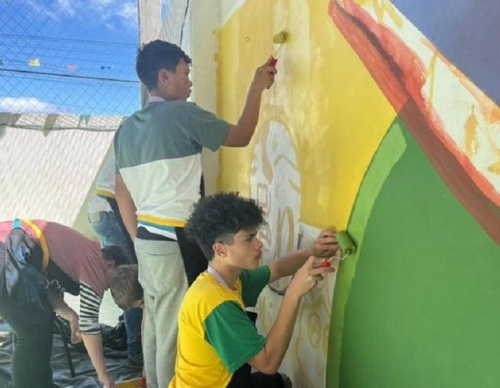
275 184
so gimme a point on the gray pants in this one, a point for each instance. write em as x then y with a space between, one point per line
163 277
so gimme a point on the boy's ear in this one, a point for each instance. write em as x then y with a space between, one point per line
219 249
164 77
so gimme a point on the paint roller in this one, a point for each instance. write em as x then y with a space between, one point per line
279 38
346 246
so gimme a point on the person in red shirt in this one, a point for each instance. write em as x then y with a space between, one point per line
39 261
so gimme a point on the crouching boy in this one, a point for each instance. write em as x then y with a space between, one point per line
216 336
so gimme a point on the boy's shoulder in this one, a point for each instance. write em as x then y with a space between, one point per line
206 294
159 106
205 288
158 110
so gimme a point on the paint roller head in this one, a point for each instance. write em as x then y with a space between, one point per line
280 38
346 244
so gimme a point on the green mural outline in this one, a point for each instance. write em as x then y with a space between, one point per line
420 309
390 150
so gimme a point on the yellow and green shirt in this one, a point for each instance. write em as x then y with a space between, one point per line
216 337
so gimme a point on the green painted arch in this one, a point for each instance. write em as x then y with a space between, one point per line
417 305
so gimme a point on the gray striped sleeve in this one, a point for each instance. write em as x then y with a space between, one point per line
90 303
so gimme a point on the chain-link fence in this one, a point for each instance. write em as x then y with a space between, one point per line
69 58
67 80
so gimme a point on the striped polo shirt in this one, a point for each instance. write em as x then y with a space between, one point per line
158 155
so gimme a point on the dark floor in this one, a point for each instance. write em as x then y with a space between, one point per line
85 373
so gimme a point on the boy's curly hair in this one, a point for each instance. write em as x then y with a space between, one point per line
217 218
157 55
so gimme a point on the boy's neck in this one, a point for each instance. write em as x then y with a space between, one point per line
158 93
227 273
162 94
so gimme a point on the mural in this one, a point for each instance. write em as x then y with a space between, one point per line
385 117
444 185
291 161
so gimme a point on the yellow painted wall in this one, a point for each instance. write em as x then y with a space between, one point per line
319 77
334 139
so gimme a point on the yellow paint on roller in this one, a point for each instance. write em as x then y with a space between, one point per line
280 37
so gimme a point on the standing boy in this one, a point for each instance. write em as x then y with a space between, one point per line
158 161
104 217
216 336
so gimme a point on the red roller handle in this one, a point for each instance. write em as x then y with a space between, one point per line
273 61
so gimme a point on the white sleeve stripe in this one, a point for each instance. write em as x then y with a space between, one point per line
90 304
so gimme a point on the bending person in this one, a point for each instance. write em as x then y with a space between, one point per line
40 260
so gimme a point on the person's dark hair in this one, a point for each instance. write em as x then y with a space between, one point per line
157 55
217 218
124 286
116 254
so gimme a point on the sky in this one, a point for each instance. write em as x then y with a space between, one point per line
69 56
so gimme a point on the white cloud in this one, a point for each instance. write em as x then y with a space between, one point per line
66 6
111 9
128 12
104 3
26 105
108 10
39 9
124 11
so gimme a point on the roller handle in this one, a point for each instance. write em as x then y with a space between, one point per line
273 61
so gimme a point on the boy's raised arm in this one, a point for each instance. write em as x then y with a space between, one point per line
239 135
